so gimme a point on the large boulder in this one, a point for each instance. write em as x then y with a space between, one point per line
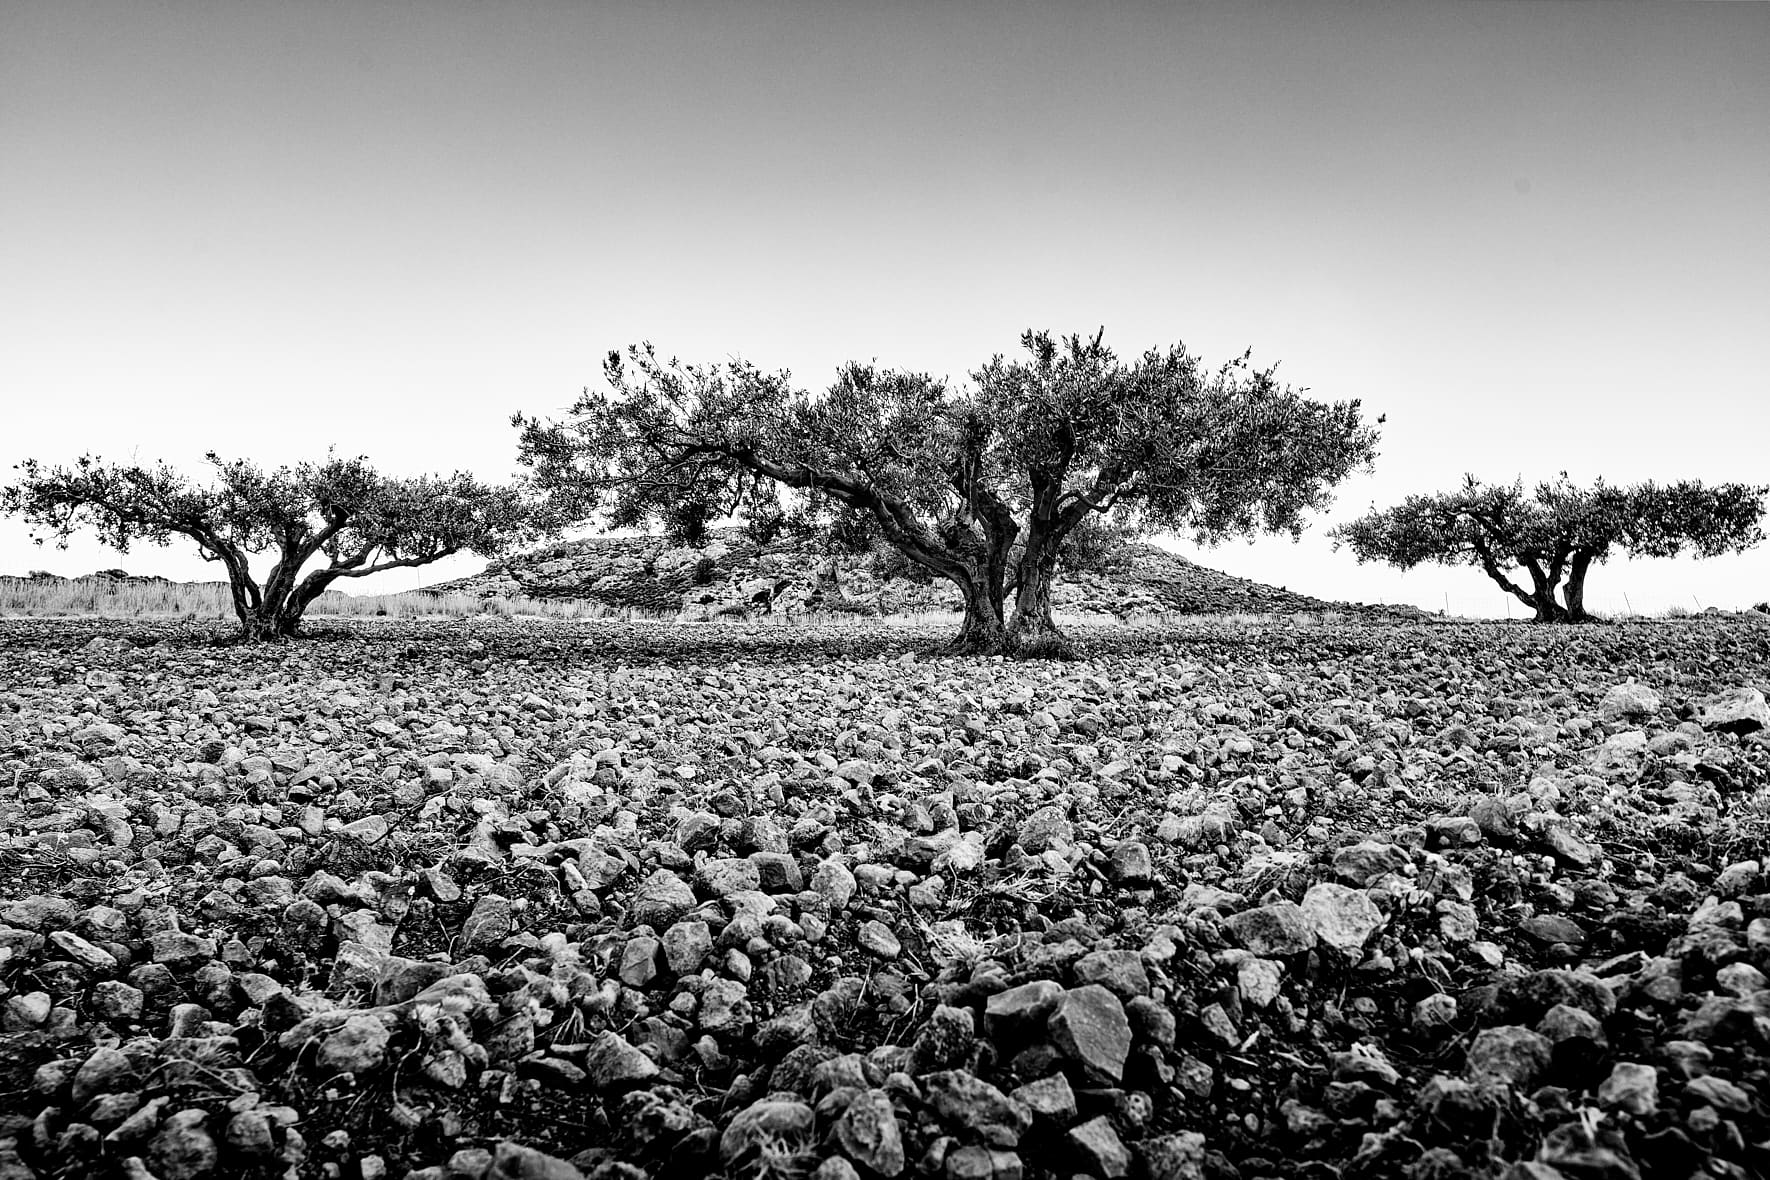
1737 710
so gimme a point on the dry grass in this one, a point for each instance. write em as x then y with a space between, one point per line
113 598
109 598
1238 618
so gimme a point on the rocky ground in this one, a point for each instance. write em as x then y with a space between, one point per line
732 577
549 900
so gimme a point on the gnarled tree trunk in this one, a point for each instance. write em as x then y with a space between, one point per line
275 613
981 632
1032 633
1542 595
1548 610
270 623
1575 592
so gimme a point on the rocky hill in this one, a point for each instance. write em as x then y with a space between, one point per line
732 576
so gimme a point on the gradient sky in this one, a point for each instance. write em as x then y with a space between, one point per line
1535 236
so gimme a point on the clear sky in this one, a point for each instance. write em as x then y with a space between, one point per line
1535 235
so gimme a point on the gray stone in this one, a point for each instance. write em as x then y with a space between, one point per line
639 960
724 876
39 912
611 1062
1719 1093
1631 1087
174 948
1511 1053
1341 917
1130 865
1564 1022
356 1046
1539 991
183 1149
107 1070
1019 1010
765 1121
1741 979
112 999
876 937
1281 928
251 1132
1689 1059
1736 710
1100 1148
1436 1011
84 953
27 1010
1620 753
1180 1156
777 872
966 1100
725 1006
1362 863
945 1040
1495 820
1548 929
660 900
1259 980
1046 830
834 883
1051 1099
1090 1027
1121 971
1451 831
868 1133
488 924
514 1161
1569 848
687 945
1215 1020
1364 1062
1738 879
1628 702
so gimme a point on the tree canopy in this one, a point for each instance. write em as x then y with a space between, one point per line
340 513
1553 537
979 484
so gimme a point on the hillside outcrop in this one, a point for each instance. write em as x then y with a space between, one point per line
731 576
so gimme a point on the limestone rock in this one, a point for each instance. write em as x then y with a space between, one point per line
1271 931
1341 917
1090 1027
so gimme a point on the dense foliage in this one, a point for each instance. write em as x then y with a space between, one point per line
981 485
340 513
1554 536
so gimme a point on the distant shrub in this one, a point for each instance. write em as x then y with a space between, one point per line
1762 607
764 527
891 563
689 522
1098 543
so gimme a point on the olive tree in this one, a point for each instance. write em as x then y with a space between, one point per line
980 485
334 519
1551 538
1161 440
